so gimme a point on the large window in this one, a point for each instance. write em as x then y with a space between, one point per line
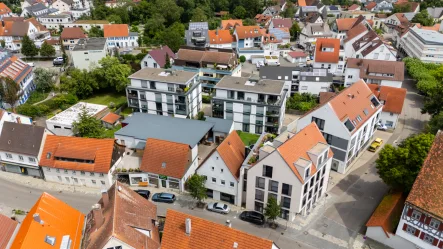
284 214
320 122
267 171
273 186
260 182
258 207
416 215
410 230
285 202
286 189
429 239
434 223
259 195
272 195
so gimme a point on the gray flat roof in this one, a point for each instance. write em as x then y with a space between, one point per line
90 44
428 36
186 131
221 125
244 84
271 72
163 75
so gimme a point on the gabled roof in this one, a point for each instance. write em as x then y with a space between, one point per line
14 68
111 118
4 9
58 221
393 97
232 151
206 234
100 151
159 55
370 5
220 36
206 56
127 216
231 23
40 27
345 24
354 7
435 12
324 56
355 31
427 193
282 23
72 33
301 3
115 30
7 228
248 32
21 138
166 158
402 18
388 213
368 67
262 19
297 54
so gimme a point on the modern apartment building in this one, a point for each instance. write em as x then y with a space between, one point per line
88 52
426 45
328 55
348 122
197 34
165 92
255 105
249 40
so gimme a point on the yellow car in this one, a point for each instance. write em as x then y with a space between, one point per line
377 143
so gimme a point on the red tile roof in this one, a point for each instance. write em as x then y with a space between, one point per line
354 7
59 219
427 191
282 23
324 56
388 213
232 151
220 36
4 9
206 234
7 228
72 33
355 31
99 150
231 23
325 96
166 158
296 54
345 24
115 30
369 67
394 97
111 118
370 5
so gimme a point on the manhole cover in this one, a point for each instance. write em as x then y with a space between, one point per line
305 233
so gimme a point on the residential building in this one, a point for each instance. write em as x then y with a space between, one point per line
249 41
86 24
156 58
121 219
6 116
348 130
71 36
379 21
280 23
255 105
421 222
50 223
354 7
9 229
384 6
327 55
221 38
197 34
262 20
370 46
111 120
61 123
210 64
355 14
312 31
115 3
13 29
62 5
88 52
305 11
80 161
55 21
231 23
334 10
282 36
37 10
370 6
14 68
397 19
297 57
290 75
426 45
314 81
436 13
165 92
76 8
119 36
294 170
383 73
20 148
222 170
311 17
5 11
341 26
392 99
273 11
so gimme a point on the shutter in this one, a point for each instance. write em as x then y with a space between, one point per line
440 245
422 235
435 242
428 220
440 228
409 213
404 227
422 218
417 232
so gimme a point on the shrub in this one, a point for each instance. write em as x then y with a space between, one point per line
206 99
140 56
242 59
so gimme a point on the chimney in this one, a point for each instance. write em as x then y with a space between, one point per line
188 226
216 31
228 223
3 23
37 218
97 215
105 198
18 120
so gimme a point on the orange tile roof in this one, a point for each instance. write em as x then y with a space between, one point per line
345 24
99 150
370 5
220 36
115 30
427 191
354 7
72 33
248 32
111 118
7 228
231 23
206 234
388 213
394 97
355 31
125 212
436 27
59 219
4 9
166 158
327 57
232 151
301 3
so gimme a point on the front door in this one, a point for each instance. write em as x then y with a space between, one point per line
163 183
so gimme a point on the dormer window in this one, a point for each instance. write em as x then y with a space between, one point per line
307 172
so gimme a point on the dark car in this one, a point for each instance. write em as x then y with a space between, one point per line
253 217
144 193
163 197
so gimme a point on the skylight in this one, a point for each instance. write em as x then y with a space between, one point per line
349 125
374 101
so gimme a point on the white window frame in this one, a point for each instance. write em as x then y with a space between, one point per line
416 215
434 223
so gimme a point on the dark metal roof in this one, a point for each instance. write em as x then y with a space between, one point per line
21 138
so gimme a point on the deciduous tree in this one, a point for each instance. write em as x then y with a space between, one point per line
47 50
272 209
115 73
88 126
423 18
198 15
240 12
28 47
294 31
95 32
9 92
43 79
196 187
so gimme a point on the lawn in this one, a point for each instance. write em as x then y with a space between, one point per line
248 138
106 99
109 133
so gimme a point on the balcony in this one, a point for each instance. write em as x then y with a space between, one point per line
133 95
180 101
180 112
273 113
133 103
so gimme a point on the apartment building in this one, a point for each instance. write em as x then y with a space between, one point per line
348 122
392 99
421 222
71 36
197 34
119 36
327 55
165 92
55 21
13 29
255 105
88 52
249 40
294 171
221 38
426 45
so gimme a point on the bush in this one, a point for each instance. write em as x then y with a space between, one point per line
302 102
206 99
242 59
140 56
33 110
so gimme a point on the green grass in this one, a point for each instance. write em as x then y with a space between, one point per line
36 97
248 138
106 99
109 133
126 111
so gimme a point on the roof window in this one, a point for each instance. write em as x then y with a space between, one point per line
163 165
374 101
349 125
365 111
50 240
48 155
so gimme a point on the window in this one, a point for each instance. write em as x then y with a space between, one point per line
286 189
221 170
375 56
73 172
319 122
434 223
8 155
20 158
214 179
67 179
391 114
82 172
57 170
285 202
65 171
259 195
103 182
267 171
258 207
102 175
349 76
94 182
48 169
273 186
260 182
428 238
59 178
416 215
304 88
212 168
92 174
231 184
307 173
272 195
222 182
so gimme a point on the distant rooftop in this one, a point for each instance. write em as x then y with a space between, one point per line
198 26
248 85
91 22
163 75
70 115
428 36
90 44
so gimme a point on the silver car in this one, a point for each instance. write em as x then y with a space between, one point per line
219 208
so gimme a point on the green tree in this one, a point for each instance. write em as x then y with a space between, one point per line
239 12
242 59
435 124
398 166
196 187
114 19
43 79
9 92
173 36
198 15
294 31
88 126
79 83
289 11
423 18
47 50
28 47
170 11
2 43
401 8
201 116
249 22
167 62
134 28
95 31
115 73
272 209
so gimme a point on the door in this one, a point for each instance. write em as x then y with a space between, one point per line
83 182
163 183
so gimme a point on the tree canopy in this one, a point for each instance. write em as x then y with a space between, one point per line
88 126
95 32
9 92
43 79
114 73
78 82
196 187
294 31
47 50
28 47
272 209
423 18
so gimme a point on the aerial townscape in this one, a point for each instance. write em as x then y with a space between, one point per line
221 124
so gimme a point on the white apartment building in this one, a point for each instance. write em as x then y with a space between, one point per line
54 21
315 81
294 171
426 45
328 55
255 105
165 92
118 35
88 52
368 45
80 161
348 122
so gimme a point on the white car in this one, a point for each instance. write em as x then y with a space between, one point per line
381 127
31 64
218 208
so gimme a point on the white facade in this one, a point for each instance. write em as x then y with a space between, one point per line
89 56
300 61
150 62
54 21
221 45
61 6
393 241
352 75
314 87
78 178
426 45
130 41
13 117
14 42
86 24
389 119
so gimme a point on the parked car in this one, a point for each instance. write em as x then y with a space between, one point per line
31 64
376 144
300 46
218 208
58 61
163 197
257 65
144 193
381 127
253 217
